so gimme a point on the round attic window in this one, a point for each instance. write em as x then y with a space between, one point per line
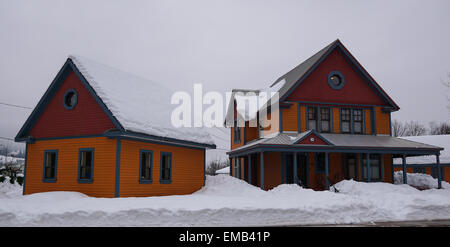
336 80
70 99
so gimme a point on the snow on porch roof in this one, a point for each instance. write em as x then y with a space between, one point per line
438 140
139 105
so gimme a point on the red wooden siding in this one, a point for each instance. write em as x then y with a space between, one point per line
315 87
317 140
87 118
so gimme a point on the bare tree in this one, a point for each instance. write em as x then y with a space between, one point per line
215 166
414 128
439 128
447 84
398 128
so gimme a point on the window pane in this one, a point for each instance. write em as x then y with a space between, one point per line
312 124
325 126
345 127
86 165
50 165
166 166
375 172
345 114
146 166
358 127
325 113
312 114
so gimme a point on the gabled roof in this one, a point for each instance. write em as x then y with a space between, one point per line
134 104
286 83
294 77
311 133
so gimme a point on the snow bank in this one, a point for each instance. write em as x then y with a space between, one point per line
225 170
8 190
227 201
419 180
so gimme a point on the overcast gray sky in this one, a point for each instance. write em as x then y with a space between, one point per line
404 45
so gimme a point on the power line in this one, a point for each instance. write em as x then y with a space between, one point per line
18 106
6 138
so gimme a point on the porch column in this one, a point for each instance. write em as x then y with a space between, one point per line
239 167
261 168
294 172
307 170
249 168
368 167
231 166
405 175
438 171
327 183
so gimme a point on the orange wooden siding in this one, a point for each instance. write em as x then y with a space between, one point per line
303 118
67 166
251 132
273 124
187 170
368 122
336 120
289 118
382 121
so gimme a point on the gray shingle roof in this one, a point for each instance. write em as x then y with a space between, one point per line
296 73
340 140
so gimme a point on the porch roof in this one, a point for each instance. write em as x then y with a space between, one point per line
286 142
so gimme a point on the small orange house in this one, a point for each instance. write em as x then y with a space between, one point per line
334 123
106 133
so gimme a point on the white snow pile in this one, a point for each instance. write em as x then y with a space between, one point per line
227 201
138 104
225 170
419 180
9 190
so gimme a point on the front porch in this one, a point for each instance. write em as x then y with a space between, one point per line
287 158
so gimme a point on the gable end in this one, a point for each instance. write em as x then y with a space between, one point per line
353 62
63 74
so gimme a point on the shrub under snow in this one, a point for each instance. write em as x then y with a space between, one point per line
419 180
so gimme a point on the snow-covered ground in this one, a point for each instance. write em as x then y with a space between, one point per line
227 201
221 137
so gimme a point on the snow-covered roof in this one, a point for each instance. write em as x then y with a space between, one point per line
140 105
436 140
225 170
